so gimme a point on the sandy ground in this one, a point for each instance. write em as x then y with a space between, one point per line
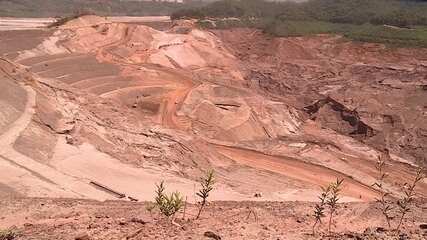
7 24
50 176
85 162
70 218
297 170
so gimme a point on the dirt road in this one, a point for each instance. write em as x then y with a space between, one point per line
13 24
8 24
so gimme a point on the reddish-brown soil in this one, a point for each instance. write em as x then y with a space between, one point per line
367 91
128 106
70 219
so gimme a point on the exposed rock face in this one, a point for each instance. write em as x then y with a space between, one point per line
125 104
334 115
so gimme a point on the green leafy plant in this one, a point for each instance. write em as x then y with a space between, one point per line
332 200
319 208
384 203
8 234
206 183
168 204
405 202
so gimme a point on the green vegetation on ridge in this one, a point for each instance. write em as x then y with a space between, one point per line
65 8
385 21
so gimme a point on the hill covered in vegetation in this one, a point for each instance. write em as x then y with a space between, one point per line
63 8
387 21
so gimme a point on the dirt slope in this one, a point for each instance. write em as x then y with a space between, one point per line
127 105
367 91
70 219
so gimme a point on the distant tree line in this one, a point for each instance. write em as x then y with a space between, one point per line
393 22
402 13
67 8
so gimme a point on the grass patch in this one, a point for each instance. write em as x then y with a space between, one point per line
416 37
413 37
228 23
389 35
8 234
302 28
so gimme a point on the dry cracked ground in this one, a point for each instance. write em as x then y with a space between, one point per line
124 105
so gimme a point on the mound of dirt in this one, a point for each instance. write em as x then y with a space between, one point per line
142 44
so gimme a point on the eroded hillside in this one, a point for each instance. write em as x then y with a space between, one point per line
372 93
127 106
